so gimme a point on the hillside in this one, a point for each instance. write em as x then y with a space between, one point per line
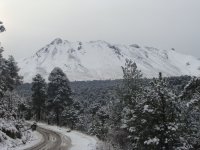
100 60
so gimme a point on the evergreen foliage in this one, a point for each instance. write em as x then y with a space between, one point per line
39 96
59 93
151 116
131 98
11 125
191 113
13 78
160 126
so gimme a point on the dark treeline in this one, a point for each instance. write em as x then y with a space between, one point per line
177 83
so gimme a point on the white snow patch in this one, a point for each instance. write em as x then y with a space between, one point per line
35 139
79 140
152 141
17 144
191 102
146 109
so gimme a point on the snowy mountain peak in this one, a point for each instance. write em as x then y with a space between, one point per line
57 41
98 60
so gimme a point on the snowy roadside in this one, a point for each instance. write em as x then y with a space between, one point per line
34 138
79 141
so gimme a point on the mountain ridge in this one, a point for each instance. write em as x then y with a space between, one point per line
100 60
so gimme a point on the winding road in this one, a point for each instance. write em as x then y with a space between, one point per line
51 141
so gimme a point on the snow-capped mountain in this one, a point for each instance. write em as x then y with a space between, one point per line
98 60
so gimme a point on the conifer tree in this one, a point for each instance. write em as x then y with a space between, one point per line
3 87
39 96
190 107
9 77
59 93
71 114
3 73
131 97
159 122
13 78
151 116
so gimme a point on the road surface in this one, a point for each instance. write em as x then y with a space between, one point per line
51 141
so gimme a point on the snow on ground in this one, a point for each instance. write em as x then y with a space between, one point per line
16 144
79 141
35 139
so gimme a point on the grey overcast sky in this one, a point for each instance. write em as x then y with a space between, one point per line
165 24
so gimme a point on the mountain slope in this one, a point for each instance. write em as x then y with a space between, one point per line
98 60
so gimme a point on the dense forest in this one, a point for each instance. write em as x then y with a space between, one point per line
132 113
